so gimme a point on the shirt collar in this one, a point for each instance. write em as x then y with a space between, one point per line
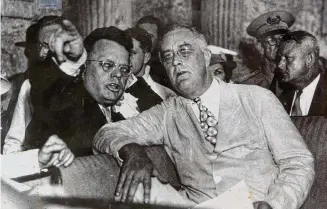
312 86
212 94
146 72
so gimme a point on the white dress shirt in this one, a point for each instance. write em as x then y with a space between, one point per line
306 96
210 99
21 118
129 107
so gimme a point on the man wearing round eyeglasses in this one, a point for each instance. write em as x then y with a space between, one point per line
217 134
76 103
269 29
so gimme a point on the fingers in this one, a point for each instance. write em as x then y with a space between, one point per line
147 188
120 182
53 148
70 160
127 185
66 158
127 188
58 40
49 153
53 160
70 27
132 189
54 139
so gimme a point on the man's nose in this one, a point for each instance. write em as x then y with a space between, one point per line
176 59
282 64
43 51
116 72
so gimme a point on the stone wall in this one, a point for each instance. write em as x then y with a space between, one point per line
16 16
168 11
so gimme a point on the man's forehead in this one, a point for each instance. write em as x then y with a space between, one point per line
136 43
108 47
148 26
290 47
179 37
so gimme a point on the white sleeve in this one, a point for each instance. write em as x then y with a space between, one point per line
20 164
21 118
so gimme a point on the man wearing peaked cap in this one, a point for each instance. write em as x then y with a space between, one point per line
269 29
271 21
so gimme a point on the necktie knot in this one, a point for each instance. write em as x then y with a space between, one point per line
298 93
197 100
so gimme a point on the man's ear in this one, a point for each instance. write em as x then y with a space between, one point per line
207 56
147 57
310 59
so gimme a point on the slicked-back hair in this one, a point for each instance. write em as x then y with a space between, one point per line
141 36
304 39
151 20
174 27
108 33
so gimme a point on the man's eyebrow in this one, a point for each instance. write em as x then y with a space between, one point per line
165 51
185 44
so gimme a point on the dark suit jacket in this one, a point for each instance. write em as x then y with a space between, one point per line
319 101
62 106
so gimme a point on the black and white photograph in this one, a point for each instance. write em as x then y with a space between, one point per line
200 104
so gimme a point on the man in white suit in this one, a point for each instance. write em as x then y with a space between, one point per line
216 134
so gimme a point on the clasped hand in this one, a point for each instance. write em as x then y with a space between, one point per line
66 43
55 153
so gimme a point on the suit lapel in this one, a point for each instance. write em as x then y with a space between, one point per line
319 100
231 118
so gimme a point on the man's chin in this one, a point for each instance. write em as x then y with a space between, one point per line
111 100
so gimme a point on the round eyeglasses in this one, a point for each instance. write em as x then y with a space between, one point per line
109 65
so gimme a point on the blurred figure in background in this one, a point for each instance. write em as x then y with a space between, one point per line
269 29
143 88
154 27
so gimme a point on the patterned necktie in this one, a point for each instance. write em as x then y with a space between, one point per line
296 110
208 122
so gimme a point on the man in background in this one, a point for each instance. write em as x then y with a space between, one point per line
269 29
147 91
154 27
74 102
304 81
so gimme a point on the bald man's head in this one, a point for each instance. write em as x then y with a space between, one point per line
298 58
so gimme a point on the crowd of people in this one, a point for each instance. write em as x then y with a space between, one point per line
117 91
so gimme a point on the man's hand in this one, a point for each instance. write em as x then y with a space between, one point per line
66 43
137 168
261 205
55 153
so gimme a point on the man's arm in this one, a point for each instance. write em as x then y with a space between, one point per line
123 140
295 162
147 128
20 120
